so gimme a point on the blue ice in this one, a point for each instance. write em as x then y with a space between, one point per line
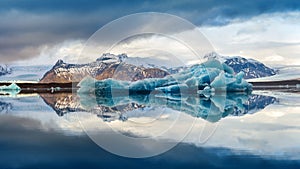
210 76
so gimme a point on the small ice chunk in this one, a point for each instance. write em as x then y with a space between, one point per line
207 91
219 82
13 89
12 86
239 77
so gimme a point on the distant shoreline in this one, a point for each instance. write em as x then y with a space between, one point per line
284 85
36 87
43 87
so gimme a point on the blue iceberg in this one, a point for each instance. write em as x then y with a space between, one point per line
211 108
208 77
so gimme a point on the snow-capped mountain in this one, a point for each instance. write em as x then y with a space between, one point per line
107 66
252 68
122 67
4 69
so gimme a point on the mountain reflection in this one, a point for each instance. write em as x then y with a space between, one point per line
5 107
118 107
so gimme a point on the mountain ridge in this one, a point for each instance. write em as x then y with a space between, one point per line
251 67
103 68
115 66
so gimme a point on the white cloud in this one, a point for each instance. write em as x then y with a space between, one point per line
68 51
167 49
179 48
270 38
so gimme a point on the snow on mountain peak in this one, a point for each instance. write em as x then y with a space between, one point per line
109 58
59 63
251 68
215 55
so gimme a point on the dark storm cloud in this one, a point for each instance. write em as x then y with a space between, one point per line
27 25
203 12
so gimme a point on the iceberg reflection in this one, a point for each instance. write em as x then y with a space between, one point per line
118 107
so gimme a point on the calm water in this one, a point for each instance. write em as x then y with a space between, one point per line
261 130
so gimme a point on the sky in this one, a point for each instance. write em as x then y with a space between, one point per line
35 32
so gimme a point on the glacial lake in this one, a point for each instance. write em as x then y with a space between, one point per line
64 130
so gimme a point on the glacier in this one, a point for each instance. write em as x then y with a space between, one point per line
20 73
206 78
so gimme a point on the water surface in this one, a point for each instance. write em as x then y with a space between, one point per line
50 130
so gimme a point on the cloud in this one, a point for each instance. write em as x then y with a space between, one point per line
68 51
174 49
270 38
202 12
25 27
24 38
